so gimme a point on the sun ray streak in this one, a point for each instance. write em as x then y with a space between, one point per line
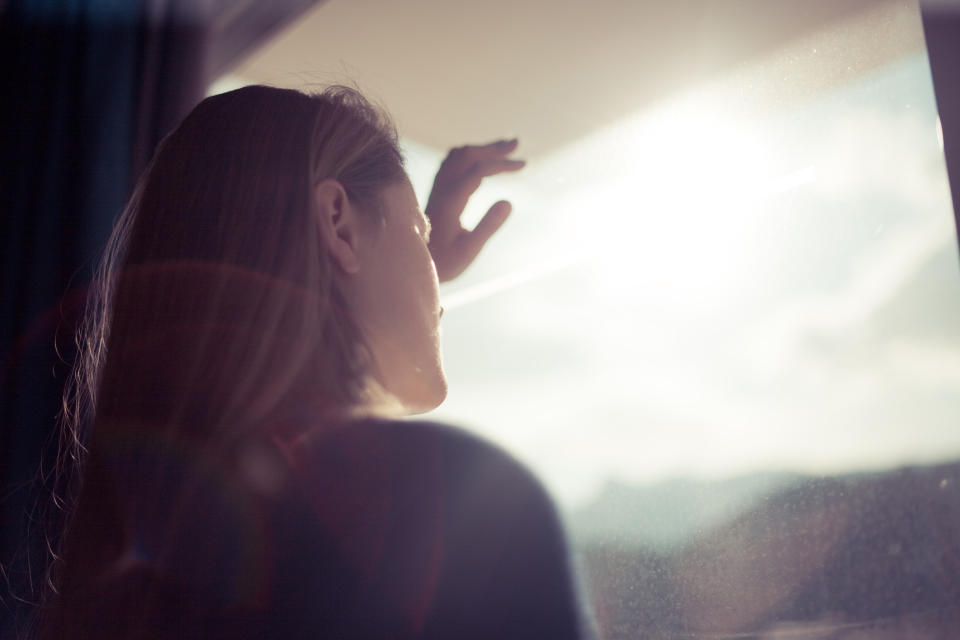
480 291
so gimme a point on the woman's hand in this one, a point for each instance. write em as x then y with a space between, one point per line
453 248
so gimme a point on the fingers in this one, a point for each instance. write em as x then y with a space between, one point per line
493 167
506 145
461 173
491 222
465 168
471 153
465 159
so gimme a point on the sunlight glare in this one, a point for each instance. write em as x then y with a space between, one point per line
675 212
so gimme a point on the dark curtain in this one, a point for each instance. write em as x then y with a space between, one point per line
87 90
941 27
88 87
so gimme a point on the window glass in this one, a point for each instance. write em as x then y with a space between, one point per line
725 333
727 337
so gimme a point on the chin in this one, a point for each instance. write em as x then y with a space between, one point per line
427 396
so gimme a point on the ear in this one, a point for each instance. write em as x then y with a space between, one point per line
339 224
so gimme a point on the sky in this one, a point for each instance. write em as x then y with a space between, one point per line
710 288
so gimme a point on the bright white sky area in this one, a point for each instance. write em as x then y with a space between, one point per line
711 289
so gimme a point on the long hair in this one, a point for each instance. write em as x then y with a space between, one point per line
216 310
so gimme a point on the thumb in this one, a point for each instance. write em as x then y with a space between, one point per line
488 225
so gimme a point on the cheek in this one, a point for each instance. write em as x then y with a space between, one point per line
422 274
409 295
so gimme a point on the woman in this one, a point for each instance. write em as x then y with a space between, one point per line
269 297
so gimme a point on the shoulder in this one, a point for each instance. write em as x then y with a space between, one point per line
422 526
405 451
423 480
415 433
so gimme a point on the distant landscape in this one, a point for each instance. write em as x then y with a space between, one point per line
869 555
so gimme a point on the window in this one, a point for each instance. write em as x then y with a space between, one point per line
720 337
725 332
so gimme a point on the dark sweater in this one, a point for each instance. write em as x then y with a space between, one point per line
376 529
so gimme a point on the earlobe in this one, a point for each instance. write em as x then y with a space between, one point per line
338 224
